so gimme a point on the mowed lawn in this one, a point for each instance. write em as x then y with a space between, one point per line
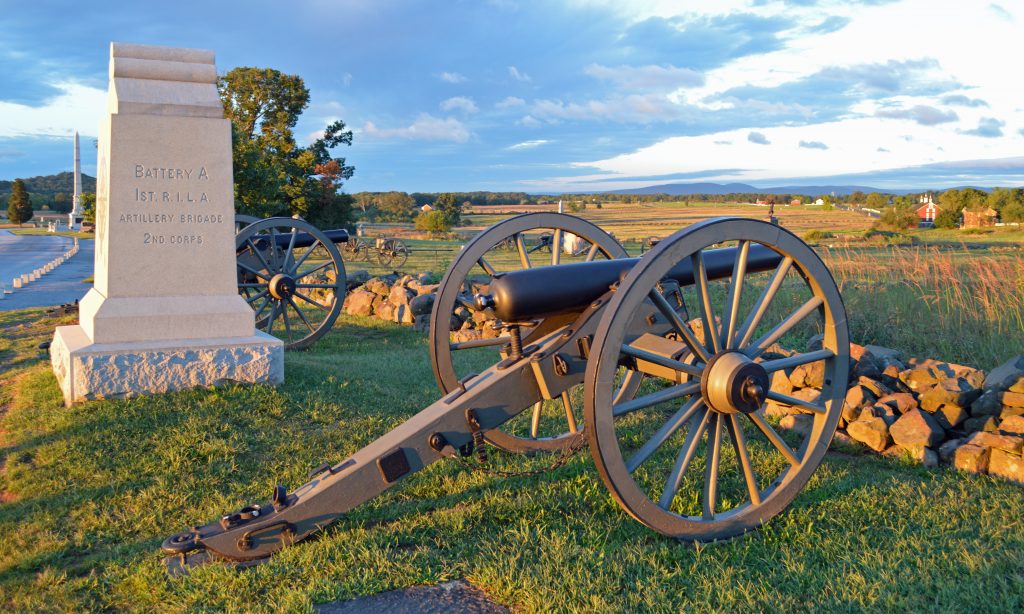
89 492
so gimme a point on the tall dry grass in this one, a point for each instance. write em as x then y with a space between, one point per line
934 303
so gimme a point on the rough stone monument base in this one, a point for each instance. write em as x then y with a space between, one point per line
88 371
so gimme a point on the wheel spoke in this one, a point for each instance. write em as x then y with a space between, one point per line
288 255
301 315
783 327
305 255
568 412
271 318
740 444
593 252
556 247
324 286
478 343
710 495
677 323
700 280
275 251
683 460
312 302
257 297
739 272
486 266
319 267
263 305
665 394
627 387
255 285
772 366
259 255
524 257
785 399
683 367
774 438
667 430
767 295
287 322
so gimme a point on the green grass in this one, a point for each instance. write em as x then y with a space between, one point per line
61 233
90 492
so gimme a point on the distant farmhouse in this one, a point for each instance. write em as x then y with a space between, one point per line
979 218
927 209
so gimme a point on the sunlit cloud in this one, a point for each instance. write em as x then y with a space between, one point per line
426 127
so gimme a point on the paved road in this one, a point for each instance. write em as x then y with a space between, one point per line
22 253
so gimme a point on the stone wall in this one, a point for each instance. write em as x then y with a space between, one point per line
932 411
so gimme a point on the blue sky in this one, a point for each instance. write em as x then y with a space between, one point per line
566 95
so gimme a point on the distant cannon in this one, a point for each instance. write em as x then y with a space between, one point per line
602 349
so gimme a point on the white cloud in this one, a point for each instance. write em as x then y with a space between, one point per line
527 144
637 108
646 77
459 103
77 107
853 146
528 121
451 77
516 74
508 103
426 127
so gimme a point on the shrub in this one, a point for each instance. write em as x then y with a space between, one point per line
818 235
897 218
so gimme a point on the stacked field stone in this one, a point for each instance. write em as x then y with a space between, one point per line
930 410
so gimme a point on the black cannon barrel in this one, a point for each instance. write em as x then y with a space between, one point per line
542 292
302 239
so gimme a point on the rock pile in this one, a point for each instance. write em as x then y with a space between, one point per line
936 412
407 299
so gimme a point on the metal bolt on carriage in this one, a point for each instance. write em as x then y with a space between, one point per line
662 365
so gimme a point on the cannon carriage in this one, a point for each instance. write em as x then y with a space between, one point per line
663 364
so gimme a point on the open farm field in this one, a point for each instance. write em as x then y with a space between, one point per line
634 222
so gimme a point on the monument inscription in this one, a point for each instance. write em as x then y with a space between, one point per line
164 312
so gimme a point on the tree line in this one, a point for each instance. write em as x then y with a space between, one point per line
900 212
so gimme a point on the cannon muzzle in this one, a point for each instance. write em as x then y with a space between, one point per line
542 292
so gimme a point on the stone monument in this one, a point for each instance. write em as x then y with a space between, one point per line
164 312
75 217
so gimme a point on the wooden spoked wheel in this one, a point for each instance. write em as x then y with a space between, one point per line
392 253
700 460
242 220
293 277
550 425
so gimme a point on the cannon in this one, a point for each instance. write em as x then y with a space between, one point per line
292 275
663 365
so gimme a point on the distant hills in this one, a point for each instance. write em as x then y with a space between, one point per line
690 189
51 184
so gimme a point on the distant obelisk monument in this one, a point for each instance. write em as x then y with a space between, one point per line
75 217
164 312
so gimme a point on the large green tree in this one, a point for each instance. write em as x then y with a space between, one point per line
19 205
449 206
273 174
89 206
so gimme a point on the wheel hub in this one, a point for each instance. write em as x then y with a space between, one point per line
282 286
732 383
